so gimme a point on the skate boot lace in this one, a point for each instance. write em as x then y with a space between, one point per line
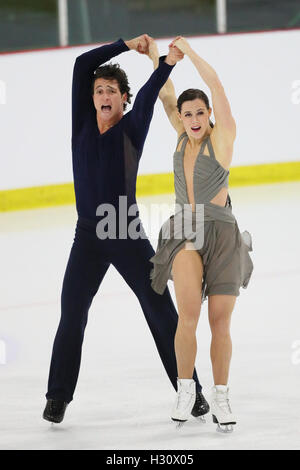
184 396
223 403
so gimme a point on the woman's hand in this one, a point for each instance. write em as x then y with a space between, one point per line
182 44
174 56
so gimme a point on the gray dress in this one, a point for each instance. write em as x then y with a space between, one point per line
223 249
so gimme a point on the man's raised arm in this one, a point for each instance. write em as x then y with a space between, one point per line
85 65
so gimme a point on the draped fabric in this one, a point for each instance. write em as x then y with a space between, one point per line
209 227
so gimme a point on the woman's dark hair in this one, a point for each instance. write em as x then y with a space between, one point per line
193 94
113 72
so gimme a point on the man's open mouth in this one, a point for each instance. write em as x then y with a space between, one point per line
106 108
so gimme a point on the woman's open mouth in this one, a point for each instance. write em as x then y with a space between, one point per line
196 128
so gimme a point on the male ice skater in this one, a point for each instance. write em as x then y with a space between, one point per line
106 147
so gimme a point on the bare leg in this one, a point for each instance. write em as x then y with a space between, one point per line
187 274
220 308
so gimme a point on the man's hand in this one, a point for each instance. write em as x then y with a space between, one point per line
139 44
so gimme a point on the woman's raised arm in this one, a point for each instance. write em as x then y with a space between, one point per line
225 123
167 93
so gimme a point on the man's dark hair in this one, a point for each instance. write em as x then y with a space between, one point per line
113 72
190 95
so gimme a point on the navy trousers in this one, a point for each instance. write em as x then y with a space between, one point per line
89 260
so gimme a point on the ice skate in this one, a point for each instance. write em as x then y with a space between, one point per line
200 408
55 410
220 409
185 400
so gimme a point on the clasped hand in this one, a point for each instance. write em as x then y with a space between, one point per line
145 44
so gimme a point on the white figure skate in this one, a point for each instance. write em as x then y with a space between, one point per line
220 409
185 400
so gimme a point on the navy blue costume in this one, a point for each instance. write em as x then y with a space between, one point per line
105 167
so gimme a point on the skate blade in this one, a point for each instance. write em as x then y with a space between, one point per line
201 419
179 423
225 428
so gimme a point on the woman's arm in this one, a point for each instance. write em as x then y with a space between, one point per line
167 93
225 124
140 116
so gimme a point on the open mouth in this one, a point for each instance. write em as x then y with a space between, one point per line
106 108
196 128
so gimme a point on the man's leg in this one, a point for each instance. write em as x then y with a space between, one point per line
84 273
132 262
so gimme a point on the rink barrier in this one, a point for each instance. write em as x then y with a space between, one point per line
147 185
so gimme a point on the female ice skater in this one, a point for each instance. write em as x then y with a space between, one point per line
106 147
217 268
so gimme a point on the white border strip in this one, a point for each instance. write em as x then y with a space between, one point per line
63 25
221 16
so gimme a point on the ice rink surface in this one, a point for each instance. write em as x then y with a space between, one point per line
123 397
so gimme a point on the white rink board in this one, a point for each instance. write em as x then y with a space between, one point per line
258 71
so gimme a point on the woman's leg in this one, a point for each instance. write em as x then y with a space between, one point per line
187 272
220 308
